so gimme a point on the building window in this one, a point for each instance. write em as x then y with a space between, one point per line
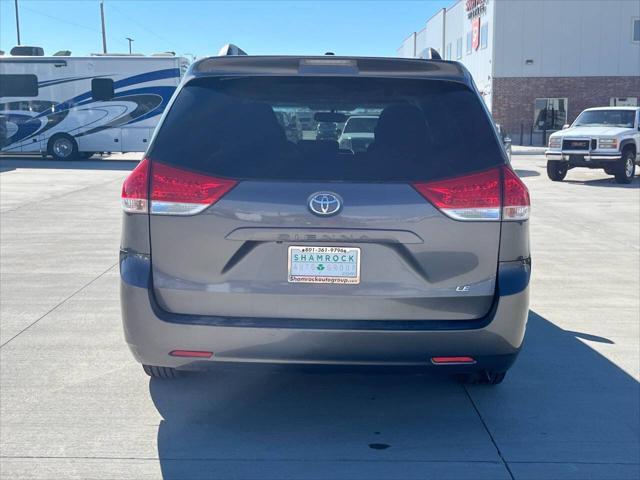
447 54
102 89
459 48
484 35
623 102
549 113
469 43
636 29
18 86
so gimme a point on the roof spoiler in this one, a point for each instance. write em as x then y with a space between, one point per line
231 49
432 54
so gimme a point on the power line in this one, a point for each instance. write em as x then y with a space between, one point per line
69 22
129 17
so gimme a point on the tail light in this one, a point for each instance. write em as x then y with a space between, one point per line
170 190
515 196
485 196
135 189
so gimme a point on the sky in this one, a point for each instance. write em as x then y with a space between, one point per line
201 27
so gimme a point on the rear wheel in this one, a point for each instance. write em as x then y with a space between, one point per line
557 170
62 147
626 168
160 372
484 377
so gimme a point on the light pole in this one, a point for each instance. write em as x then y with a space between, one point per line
17 22
130 40
104 34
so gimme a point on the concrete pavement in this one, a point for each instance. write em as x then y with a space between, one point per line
74 404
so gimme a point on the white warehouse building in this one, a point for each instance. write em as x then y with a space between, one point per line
539 63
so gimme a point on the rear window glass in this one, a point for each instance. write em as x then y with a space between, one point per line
386 129
360 124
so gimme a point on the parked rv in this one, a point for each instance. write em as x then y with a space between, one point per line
73 107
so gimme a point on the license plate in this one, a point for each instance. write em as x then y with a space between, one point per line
334 265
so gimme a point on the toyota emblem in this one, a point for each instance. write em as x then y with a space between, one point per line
325 204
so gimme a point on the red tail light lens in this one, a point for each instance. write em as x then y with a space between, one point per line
179 192
472 197
173 191
135 189
516 202
479 196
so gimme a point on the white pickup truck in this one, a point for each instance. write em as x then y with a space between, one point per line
604 137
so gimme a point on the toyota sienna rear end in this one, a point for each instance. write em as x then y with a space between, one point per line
247 239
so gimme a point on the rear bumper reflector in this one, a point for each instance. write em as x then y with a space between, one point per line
190 354
452 360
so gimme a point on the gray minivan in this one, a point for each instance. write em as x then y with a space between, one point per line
243 242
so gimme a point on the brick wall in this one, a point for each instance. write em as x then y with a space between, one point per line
514 97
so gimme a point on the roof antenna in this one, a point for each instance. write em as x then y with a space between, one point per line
432 54
231 49
329 53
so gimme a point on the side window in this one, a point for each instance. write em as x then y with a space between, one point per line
18 86
550 113
102 89
635 35
623 102
484 36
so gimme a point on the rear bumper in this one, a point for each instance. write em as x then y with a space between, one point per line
151 333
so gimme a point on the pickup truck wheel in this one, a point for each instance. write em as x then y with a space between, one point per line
557 170
626 168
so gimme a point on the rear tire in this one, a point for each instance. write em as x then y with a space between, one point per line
160 372
63 147
626 168
484 377
557 170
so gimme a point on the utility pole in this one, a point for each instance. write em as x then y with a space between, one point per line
130 40
104 34
17 22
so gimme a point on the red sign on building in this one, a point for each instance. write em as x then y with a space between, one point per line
475 33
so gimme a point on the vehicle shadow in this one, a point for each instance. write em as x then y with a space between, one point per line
96 163
608 182
561 402
527 173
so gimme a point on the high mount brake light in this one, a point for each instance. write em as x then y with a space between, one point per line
171 191
491 195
